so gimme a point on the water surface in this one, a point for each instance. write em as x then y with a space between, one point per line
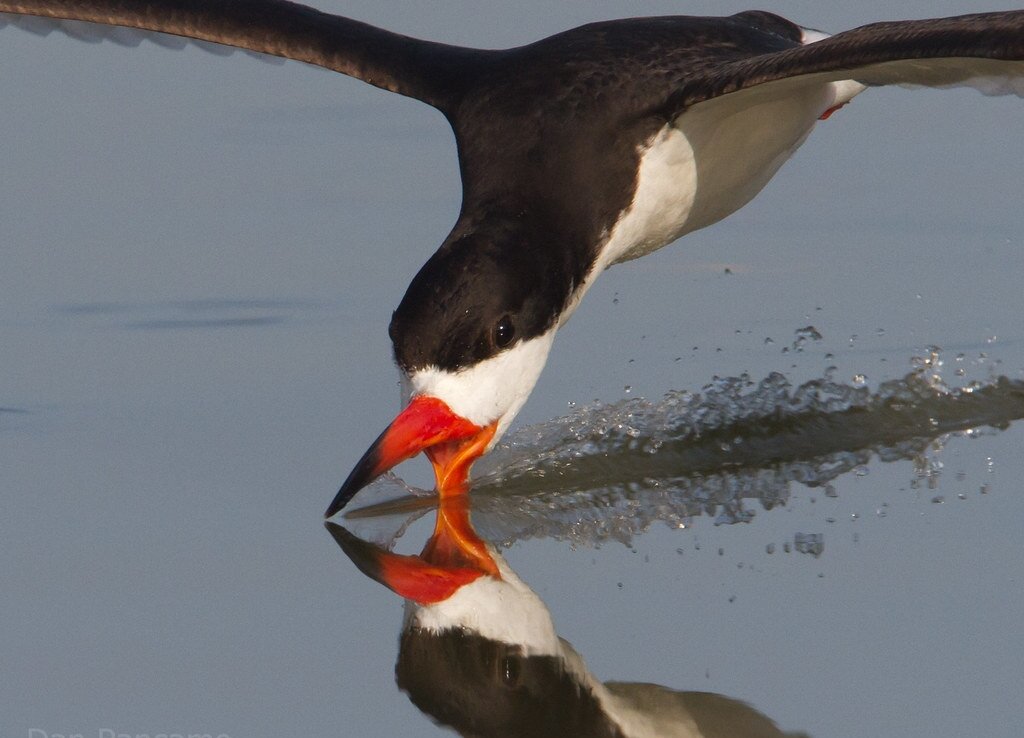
201 255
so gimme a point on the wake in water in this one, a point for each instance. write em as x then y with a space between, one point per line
607 472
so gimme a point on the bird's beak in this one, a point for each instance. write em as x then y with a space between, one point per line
427 424
454 556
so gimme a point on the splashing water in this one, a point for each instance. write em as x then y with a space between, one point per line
608 471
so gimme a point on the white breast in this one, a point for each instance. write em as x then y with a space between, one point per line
712 160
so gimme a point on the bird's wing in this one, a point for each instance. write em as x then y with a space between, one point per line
984 50
421 69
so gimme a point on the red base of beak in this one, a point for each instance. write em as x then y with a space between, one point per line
452 460
427 424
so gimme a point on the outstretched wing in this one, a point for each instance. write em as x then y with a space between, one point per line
984 50
424 70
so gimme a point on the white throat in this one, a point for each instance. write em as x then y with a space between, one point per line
493 390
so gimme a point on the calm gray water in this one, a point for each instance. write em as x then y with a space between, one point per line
200 256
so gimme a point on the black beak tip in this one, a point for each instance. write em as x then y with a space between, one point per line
364 473
340 500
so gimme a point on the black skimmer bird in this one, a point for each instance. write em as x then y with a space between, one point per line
479 652
591 147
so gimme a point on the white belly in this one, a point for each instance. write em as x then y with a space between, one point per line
712 160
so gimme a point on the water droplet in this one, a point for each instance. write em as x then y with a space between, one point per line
938 500
803 335
619 585
770 548
859 380
732 598
809 543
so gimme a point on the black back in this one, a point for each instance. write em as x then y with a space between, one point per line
549 138
549 134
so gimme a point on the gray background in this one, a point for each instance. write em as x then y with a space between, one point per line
200 256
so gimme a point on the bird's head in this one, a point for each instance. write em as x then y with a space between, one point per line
470 337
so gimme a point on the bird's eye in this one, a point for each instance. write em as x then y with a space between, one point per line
504 332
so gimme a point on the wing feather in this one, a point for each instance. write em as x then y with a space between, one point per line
425 70
983 50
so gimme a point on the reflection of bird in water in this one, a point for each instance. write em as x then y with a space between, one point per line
591 147
483 687
479 652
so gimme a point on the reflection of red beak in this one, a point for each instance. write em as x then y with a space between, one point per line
427 424
455 555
